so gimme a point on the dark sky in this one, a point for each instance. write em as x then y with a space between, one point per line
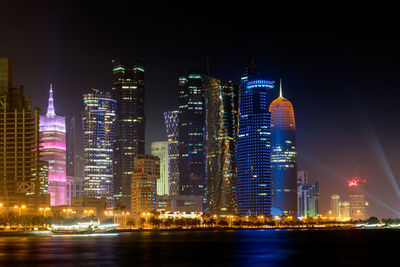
340 71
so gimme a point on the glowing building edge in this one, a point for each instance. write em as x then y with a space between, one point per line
53 147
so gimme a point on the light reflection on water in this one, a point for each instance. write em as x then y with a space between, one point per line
200 248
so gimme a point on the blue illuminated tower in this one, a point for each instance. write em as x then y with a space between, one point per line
254 188
98 129
283 155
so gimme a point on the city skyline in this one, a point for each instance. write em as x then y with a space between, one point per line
333 86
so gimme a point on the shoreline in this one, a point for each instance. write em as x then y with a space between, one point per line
222 229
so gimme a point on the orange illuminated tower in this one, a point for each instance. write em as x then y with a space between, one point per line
283 155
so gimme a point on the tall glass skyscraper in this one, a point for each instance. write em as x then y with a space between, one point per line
283 155
128 90
171 124
53 147
254 188
98 123
191 131
221 108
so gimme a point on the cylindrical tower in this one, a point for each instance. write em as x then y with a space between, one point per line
283 155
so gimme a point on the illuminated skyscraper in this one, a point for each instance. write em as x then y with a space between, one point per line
145 174
171 124
191 132
283 155
19 142
128 89
302 177
98 122
221 106
335 200
254 188
53 147
344 210
357 204
308 200
160 150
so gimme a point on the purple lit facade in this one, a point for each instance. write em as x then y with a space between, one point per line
53 147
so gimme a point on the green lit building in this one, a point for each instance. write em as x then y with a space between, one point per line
160 150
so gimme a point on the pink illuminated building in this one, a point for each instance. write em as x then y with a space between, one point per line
53 147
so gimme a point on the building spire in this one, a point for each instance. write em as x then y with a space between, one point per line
280 88
50 108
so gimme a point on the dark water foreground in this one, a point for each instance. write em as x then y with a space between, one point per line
208 248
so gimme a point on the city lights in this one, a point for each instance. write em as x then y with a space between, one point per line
197 134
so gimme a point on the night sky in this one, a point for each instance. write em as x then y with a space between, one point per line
340 71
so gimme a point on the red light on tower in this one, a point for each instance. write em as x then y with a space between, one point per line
353 182
356 181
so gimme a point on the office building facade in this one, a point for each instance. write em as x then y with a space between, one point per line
145 174
254 185
128 89
160 150
98 122
358 205
19 142
221 108
308 200
335 200
171 124
191 131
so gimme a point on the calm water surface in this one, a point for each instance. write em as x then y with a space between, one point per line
212 248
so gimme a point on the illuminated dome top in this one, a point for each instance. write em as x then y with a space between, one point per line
282 113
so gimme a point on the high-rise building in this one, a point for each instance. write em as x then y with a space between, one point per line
98 123
358 204
71 143
128 89
191 131
160 150
145 174
53 147
302 177
308 200
335 200
43 177
221 108
5 76
283 155
254 187
19 142
344 210
171 124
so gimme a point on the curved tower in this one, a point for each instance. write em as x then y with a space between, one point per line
283 155
53 147
254 189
